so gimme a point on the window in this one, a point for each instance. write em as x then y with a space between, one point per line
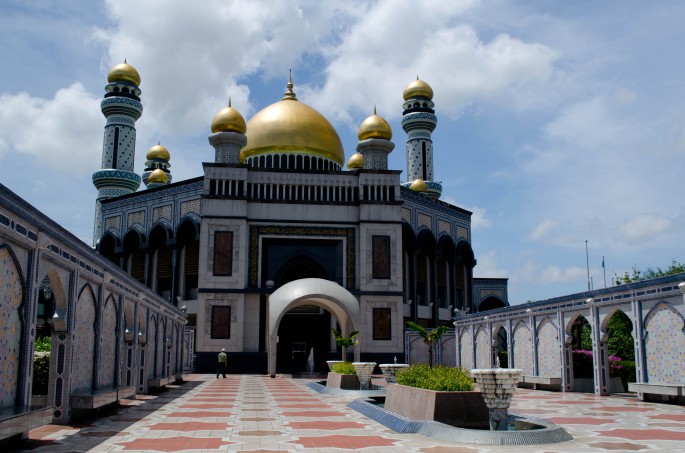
381 257
381 324
223 253
221 322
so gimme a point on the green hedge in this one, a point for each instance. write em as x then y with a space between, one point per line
344 368
439 378
41 373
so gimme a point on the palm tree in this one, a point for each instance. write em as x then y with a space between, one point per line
430 338
345 342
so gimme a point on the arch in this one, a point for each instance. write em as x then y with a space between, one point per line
466 349
109 335
464 263
522 348
187 260
299 267
483 348
548 349
84 328
160 257
109 246
310 291
133 255
12 292
665 336
491 303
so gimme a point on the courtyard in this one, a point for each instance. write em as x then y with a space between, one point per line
260 414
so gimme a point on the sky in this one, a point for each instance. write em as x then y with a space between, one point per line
561 125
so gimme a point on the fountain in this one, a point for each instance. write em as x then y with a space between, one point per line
310 362
390 371
497 386
364 370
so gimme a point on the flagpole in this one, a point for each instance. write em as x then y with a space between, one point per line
587 264
605 272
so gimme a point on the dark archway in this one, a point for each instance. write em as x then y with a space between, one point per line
491 303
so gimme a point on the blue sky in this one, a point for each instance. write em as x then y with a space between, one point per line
559 122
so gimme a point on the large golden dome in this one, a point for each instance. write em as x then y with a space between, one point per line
158 176
228 120
158 152
290 126
124 72
417 88
374 126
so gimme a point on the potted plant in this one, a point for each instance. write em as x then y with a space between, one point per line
345 342
440 393
429 337
342 376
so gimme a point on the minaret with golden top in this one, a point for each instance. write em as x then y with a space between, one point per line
122 108
374 142
419 121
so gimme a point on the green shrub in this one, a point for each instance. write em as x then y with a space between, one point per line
626 372
43 344
439 378
41 373
343 368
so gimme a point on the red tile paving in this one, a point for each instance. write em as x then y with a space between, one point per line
175 444
581 420
200 414
345 442
331 426
645 434
260 414
188 426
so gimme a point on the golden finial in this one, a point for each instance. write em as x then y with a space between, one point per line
289 93
374 109
229 101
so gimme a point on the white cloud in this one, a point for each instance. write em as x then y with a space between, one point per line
64 132
479 219
645 227
487 266
543 229
557 274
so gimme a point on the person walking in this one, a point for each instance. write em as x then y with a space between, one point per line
223 361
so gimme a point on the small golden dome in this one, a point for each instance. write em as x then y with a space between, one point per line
417 88
158 176
124 72
356 161
419 185
374 126
290 126
229 120
158 152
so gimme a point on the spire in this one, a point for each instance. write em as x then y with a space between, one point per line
289 93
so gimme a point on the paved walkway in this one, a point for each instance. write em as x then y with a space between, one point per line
260 414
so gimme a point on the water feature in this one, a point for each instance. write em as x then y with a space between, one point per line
364 370
497 386
310 362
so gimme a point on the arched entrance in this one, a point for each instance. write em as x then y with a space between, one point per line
307 292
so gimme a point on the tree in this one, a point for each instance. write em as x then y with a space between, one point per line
638 275
345 342
430 338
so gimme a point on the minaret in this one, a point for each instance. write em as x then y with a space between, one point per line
374 142
228 135
419 121
121 106
158 158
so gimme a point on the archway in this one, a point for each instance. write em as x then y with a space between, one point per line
490 303
582 364
502 348
621 347
313 292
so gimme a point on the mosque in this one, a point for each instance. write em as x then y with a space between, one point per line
276 242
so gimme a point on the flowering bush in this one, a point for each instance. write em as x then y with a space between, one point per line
582 364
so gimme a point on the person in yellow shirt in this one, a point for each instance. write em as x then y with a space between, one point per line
223 362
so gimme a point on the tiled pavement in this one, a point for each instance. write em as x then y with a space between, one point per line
260 414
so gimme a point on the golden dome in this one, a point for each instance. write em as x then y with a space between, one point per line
228 120
374 126
356 161
158 176
242 157
158 152
419 185
417 88
291 126
124 72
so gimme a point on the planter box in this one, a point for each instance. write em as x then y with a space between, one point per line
342 381
462 409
